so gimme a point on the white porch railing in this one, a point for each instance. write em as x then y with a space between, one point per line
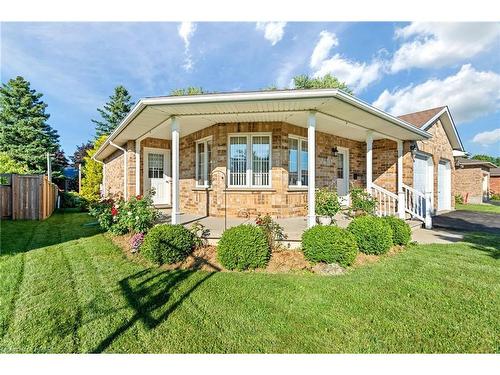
418 204
387 202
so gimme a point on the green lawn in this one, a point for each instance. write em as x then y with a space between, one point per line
64 287
485 207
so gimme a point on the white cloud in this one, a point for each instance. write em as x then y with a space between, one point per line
470 94
488 137
357 75
327 40
439 44
186 31
273 31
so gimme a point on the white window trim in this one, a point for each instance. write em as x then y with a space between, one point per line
299 167
249 137
205 161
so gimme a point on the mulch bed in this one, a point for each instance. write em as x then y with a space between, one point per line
282 261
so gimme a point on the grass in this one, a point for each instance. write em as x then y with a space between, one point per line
65 288
484 207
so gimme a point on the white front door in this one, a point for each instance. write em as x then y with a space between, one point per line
343 176
156 175
444 185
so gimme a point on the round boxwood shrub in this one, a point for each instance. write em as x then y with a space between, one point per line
373 234
167 244
401 231
329 244
243 247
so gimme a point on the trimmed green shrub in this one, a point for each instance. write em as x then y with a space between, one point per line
167 244
401 231
373 234
243 247
362 201
329 244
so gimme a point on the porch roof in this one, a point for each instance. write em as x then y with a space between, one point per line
337 113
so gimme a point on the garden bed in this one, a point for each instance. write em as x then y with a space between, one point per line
282 261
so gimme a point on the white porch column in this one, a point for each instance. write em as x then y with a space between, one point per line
401 195
175 171
137 167
369 161
311 167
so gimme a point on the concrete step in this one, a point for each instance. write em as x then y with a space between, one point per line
414 224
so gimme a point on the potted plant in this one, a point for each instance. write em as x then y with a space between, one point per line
327 205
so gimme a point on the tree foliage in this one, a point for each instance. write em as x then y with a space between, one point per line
113 112
80 153
9 165
492 159
25 135
190 90
92 172
328 81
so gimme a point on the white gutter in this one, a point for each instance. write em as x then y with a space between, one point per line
124 168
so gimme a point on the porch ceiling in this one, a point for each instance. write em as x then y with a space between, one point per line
337 113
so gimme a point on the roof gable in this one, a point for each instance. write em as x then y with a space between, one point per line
421 118
425 119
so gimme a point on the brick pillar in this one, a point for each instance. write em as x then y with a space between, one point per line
131 172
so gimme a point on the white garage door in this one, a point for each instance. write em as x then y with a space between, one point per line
423 176
444 185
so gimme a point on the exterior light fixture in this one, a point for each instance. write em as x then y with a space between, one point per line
335 151
413 149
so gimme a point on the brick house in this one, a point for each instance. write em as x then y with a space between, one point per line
495 180
250 152
473 179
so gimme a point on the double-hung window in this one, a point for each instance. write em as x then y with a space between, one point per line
249 162
204 162
297 161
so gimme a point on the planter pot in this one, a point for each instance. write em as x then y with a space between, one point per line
324 220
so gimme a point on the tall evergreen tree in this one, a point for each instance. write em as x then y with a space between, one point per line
24 133
113 112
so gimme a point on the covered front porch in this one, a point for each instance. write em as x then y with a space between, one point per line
238 155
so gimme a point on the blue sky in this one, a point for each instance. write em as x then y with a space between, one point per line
399 67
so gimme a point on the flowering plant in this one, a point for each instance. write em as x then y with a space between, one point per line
136 241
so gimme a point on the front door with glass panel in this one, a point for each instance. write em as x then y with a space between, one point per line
157 176
343 176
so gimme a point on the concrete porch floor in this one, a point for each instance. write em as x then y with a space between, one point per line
293 226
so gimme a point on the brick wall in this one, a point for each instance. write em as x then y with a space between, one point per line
469 183
495 184
278 201
114 174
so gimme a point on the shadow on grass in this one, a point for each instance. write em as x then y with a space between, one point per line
485 242
20 236
154 295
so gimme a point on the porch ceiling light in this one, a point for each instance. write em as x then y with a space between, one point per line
335 151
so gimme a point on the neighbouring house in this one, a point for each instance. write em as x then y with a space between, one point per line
473 179
495 180
267 152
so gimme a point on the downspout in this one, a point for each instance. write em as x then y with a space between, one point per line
124 168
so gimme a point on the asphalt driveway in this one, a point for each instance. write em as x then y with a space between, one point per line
468 221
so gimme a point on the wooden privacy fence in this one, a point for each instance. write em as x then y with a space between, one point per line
27 197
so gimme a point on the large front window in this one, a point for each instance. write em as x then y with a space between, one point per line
297 161
249 160
204 162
